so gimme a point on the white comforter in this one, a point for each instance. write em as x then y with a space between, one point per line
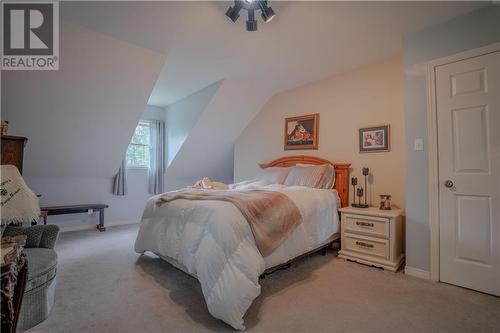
215 244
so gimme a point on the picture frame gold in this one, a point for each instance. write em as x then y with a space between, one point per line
302 132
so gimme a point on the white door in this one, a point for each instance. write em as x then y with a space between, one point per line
468 116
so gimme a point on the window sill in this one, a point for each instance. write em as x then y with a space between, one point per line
137 168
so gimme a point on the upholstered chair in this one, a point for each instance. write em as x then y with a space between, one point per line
42 265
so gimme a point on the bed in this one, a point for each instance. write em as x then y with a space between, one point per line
214 242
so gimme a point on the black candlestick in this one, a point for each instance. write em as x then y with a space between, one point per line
360 194
354 182
365 172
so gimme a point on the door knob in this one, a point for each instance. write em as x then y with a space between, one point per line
448 183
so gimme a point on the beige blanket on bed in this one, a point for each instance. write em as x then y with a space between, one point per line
272 216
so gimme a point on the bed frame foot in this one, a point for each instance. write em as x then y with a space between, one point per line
280 268
323 251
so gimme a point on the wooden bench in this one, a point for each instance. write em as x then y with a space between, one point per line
74 209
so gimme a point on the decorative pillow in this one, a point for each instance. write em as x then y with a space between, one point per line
318 176
273 175
19 203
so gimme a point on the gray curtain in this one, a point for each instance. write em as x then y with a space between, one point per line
157 169
120 180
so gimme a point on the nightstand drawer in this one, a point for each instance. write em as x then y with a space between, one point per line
367 224
366 245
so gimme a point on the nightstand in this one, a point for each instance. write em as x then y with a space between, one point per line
372 236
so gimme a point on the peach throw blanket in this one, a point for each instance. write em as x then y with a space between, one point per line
272 216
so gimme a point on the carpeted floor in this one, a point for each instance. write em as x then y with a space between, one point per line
104 286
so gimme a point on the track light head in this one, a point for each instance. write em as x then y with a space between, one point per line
267 12
233 12
252 25
251 22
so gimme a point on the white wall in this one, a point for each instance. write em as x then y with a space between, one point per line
369 96
479 28
123 209
79 119
183 115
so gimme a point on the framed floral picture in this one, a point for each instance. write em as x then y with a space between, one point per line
302 132
374 139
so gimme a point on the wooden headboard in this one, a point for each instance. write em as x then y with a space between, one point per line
341 172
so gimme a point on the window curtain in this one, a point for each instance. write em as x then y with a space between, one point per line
120 180
157 165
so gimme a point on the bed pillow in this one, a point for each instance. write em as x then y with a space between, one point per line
247 183
318 176
328 177
273 175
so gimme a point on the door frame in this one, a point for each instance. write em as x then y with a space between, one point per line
432 136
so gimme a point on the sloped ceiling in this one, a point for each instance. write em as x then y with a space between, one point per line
208 150
183 115
307 40
80 118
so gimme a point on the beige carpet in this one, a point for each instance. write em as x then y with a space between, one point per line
104 286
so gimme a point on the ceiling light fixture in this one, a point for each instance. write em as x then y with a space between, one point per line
251 6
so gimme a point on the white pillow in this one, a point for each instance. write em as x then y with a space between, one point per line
273 175
318 176
246 183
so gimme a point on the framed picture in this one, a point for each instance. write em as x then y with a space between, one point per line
302 132
374 139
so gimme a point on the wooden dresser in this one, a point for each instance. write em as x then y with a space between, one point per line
13 150
372 236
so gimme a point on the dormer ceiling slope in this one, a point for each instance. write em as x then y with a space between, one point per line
306 41
79 119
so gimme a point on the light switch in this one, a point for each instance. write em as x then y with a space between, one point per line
418 144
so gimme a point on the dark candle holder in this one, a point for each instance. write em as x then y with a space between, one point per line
360 194
360 191
366 172
354 182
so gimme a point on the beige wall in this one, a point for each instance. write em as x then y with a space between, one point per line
369 96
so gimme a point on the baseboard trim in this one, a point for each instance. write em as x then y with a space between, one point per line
418 273
93 226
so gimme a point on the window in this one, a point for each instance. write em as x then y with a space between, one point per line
138 152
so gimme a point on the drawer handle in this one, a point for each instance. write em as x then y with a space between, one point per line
365 224
363 244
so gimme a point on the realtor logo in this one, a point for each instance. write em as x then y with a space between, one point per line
30 34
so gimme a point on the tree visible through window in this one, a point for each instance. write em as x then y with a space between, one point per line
138 151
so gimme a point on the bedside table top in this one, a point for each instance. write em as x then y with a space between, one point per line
372 211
